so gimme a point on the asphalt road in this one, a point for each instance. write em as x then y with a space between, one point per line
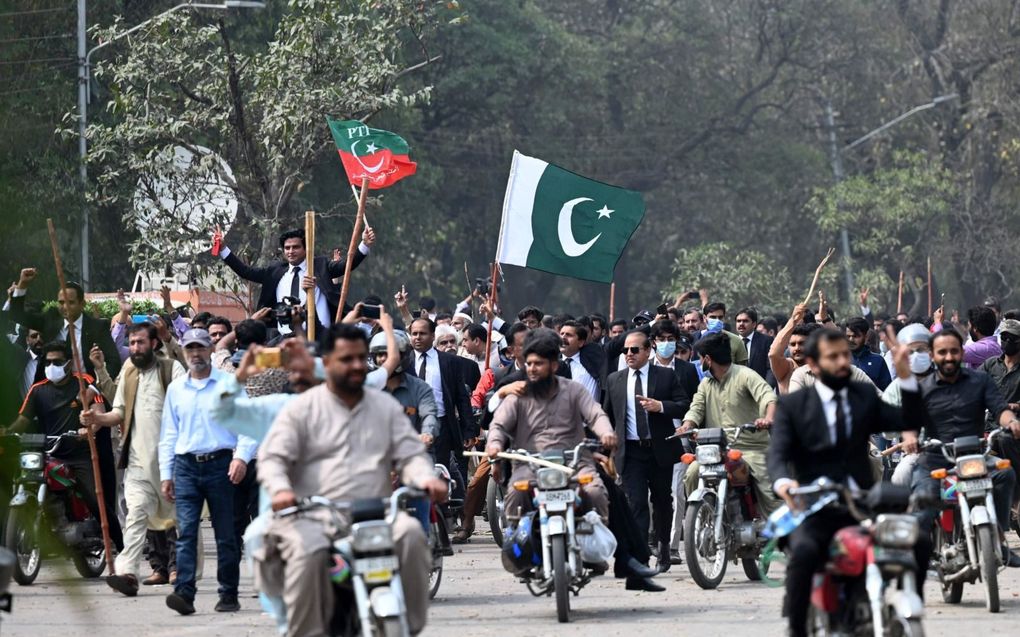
477 597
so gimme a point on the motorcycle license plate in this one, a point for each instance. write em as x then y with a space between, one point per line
966 486
376 569
564 496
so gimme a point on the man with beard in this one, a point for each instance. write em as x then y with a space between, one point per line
138 409
955 400
199 463
33 348
872 364
550 413
349 438
792 336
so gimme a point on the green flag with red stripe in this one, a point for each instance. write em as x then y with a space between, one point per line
370 153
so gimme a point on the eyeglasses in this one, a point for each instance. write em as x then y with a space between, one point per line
447 342
633 350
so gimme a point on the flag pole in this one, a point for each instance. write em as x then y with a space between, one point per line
929 286
350 250
612 301
899 296
104 524
492 308
310 260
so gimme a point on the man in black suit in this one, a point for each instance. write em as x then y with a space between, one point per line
53 325
666 339
290 277
458 429
757 344
823 431
642 401
582 361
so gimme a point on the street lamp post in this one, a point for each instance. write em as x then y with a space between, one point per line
836 159
84 96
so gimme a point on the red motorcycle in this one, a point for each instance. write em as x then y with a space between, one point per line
868 586
48 515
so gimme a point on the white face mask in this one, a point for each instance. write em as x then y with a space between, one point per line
920 362
56 373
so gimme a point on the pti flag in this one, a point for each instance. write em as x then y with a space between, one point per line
378 155
560 222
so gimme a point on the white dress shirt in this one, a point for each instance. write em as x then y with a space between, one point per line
750 339
632 432
580 375
432 377
283 289
29 378
828 396
77 336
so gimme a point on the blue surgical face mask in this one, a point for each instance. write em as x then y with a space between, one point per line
714 325
665 350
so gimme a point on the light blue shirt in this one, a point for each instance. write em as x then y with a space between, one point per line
189 427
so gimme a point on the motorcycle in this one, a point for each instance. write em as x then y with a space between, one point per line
869 585
48 505
438 535
494 513
365 569
556 491
965 539
722 521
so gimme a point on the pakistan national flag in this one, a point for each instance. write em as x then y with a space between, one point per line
563 223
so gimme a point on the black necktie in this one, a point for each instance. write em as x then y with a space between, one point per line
569 370
840 423
421 370
747 342
640 416
295 283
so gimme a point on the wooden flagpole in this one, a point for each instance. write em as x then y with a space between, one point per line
310 261
492 308
612 301
76 356
899 296
345 286
929 286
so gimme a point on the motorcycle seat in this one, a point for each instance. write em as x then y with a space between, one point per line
368 509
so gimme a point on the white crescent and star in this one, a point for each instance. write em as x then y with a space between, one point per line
570 246
371 148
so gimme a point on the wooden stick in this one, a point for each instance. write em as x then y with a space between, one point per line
522 458
345 286
93 451
899 296
929 286
310 261
492 308
818 271
612 301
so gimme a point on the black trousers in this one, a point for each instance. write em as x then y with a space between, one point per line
82 469
644 479
630 541
246 502
809 550
450 453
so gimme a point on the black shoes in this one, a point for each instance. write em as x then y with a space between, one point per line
228 604
636 569
180 604
664 559
643 584
124 584
1011 559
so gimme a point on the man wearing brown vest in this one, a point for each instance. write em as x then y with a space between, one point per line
138 409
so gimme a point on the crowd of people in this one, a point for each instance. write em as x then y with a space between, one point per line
193 411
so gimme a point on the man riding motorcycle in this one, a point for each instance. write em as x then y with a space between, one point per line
548 412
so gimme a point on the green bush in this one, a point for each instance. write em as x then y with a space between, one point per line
110 308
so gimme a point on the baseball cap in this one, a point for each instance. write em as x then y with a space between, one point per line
1011 326
644 315
196 336
684 342
913 333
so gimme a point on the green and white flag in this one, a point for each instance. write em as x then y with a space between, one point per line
560 222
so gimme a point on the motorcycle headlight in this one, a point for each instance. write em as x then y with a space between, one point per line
899 531
708 454
32 461
367 537
552 479
971 467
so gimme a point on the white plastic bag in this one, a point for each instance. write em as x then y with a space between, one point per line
599 545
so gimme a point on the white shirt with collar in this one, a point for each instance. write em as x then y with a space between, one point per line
432 376
77 334
580 375
828 397
632 432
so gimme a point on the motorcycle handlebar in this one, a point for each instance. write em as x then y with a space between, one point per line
318 502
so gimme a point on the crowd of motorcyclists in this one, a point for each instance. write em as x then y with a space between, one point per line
690 440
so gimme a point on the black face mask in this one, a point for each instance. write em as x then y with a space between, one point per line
1010 347
832 381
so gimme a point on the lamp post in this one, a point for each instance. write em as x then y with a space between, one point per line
836 159
84 73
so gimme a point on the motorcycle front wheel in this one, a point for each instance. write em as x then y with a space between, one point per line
494 510
90 564
952 592
989 566
560 583
753 568
21 537
706 561
900 627
438 531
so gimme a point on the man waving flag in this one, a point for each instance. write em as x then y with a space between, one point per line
563 223
378 155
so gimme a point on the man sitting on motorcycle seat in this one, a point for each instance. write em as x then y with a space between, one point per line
339 440
955 401
730 396
549 413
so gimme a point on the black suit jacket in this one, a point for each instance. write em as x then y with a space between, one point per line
687 374
758 355
270 275
662 384
802 446
456 399
93 330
